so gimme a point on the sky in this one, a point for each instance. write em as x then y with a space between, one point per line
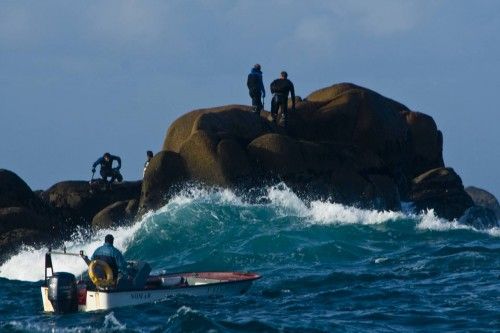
78 78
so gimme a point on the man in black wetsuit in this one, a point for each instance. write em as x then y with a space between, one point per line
256 88
107 170
281 88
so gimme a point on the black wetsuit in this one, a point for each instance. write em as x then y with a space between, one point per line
281 88
107 168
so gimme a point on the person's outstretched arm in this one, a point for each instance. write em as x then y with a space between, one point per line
99 160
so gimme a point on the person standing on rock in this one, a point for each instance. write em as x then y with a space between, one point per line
149 156
281 88
256 88
107 170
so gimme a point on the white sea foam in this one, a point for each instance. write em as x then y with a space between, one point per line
28 264
111 323
182 311
326 212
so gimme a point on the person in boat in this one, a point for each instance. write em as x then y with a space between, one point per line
107 170
281 88
149 156
113 257
132 275
256 88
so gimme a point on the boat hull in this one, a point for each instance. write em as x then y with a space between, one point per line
200 285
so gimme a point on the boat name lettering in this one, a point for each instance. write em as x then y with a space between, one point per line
140 295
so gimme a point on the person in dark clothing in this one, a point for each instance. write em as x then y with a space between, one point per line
256 88
107 170
281 88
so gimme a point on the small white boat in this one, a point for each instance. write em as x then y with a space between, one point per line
61 293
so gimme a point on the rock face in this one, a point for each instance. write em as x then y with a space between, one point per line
77 203
441 189
24 217
344 142
117 214
14 192
484 199
48 217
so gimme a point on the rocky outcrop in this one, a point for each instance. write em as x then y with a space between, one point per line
165 169
11 240
14 192
441 189
426 143
48 217
24 218
484 199
76 202
118 214
344 142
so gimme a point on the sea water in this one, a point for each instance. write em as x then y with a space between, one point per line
326 267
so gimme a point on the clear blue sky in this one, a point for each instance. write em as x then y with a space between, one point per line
79 78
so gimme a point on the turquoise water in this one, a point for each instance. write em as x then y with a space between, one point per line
326 267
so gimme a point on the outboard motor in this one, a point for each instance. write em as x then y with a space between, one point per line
62 292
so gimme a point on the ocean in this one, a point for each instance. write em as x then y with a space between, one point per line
325 267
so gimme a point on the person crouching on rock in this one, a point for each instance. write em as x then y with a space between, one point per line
281 88
256 88
107 170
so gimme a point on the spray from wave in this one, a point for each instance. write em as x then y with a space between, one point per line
190 212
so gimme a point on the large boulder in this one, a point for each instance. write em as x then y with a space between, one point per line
426 143
484 199
232 121
22 217
343 173
340 131
77 203
14 192
357 116
118 214
206 145
164 170
441 189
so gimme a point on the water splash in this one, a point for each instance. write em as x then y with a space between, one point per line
193 207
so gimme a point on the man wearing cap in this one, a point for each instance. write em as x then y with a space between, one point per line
256 88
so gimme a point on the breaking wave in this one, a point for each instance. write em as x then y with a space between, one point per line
223 215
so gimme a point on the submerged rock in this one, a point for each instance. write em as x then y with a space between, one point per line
480 218
484 199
